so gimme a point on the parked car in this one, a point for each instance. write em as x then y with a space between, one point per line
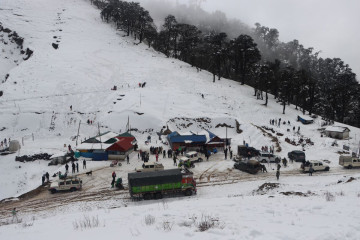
193 156
67 184
150 167
251 166
316 165
266 157
246 151
297 156
186 162
349 161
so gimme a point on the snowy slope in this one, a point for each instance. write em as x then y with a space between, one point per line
90 59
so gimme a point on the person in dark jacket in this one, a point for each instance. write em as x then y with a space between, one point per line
47 176
43 179
311 170
66 168
84 164
277 174
174 158
73 167
113 175
77 167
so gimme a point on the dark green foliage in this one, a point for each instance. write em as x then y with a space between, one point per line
292 73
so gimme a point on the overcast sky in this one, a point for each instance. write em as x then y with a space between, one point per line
331 26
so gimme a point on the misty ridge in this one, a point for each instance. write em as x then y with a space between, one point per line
291 72
192 13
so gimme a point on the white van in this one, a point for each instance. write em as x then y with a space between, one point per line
150 166
349 161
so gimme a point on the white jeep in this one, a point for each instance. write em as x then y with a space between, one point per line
265 157
316 165
349 161
193 156
150 167
67 184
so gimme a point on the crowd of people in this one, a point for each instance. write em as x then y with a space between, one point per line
4 144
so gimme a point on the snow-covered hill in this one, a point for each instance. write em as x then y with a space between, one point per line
78 58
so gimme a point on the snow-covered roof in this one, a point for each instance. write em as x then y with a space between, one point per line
92 146
307 118
186 133
336 129
105 137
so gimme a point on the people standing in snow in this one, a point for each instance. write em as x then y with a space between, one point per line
43 179
128 159
14 215
70 107
84 164
174 159
113 175
277 174
311 170
66 168
77 167
73 167
47 176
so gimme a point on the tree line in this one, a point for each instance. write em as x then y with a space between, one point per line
290 72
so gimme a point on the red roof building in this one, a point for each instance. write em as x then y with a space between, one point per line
120 149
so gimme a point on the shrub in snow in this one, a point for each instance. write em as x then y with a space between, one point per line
149 220
86 222
167 225
207 222
329 197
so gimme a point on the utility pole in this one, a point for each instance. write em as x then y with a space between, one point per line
77 136
99 135
226 140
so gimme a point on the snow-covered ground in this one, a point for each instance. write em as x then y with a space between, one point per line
91 58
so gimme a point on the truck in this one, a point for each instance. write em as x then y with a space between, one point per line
349 161
156 184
